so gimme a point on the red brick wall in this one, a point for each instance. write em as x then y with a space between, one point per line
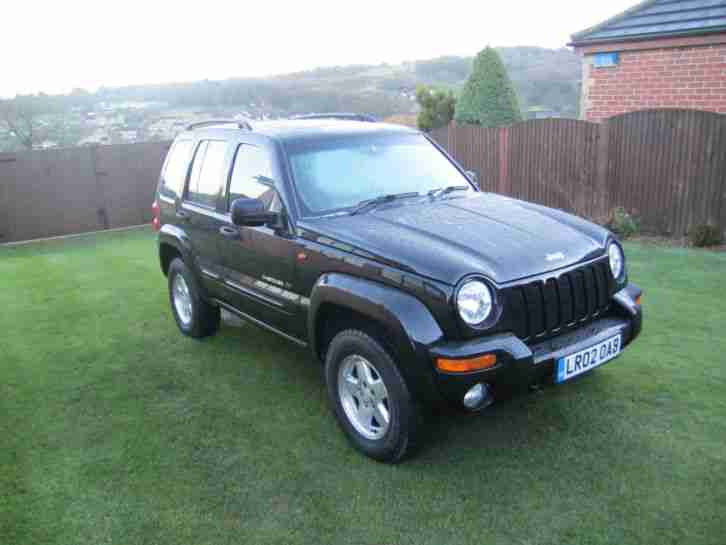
671 77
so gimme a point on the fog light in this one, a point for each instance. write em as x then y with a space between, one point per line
477 397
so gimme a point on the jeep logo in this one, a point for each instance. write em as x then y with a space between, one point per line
557 256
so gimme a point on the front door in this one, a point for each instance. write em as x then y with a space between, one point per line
258 261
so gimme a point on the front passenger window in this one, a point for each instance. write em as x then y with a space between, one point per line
252 176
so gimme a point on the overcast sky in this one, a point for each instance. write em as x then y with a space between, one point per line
54 46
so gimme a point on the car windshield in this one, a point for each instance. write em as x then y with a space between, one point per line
335 174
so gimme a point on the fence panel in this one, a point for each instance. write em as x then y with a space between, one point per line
127 178
554 162
441 136
477 148
669 168
49 193
76 190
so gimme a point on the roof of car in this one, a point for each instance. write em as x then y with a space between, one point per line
338 115
301 129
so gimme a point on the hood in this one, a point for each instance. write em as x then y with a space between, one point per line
501 238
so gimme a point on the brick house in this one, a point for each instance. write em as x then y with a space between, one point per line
657 54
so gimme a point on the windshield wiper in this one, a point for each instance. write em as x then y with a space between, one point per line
446 190
369 203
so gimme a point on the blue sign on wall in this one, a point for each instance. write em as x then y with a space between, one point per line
603 60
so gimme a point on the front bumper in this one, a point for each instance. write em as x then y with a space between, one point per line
519 364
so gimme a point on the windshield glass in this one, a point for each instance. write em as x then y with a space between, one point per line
336 174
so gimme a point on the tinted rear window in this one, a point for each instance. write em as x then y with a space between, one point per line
208 173
175 172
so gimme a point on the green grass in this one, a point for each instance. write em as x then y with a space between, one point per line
116 429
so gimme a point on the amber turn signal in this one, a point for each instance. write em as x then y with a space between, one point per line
637 300
464 366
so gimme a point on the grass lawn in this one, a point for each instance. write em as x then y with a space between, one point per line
116 429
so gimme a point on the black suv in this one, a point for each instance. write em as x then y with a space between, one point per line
368 243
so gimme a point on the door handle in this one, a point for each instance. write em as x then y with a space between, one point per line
182 215
229 232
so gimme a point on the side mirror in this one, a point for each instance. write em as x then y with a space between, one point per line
251 213
473 175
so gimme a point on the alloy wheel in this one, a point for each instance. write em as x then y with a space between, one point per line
182 299
364 397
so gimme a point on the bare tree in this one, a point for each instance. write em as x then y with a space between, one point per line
22 120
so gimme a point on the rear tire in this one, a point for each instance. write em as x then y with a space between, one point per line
195 317
370 398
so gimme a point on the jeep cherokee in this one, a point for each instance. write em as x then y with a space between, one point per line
370 245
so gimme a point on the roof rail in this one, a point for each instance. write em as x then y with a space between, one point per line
239 123
345 116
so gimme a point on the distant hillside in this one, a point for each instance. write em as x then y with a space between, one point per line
543 77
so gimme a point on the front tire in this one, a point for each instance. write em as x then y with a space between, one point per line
195 317
370 397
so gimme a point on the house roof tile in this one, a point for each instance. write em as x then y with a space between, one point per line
658 19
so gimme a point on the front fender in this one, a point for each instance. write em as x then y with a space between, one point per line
411 325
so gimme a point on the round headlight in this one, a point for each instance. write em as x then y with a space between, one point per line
474 302
616 260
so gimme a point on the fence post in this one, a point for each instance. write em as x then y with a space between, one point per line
503 184
602 195
101 206
7 213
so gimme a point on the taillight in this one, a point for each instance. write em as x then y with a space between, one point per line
156 213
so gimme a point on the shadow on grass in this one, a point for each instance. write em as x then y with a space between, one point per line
532 461
235 430
564 419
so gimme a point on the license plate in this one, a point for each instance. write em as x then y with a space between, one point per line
585 360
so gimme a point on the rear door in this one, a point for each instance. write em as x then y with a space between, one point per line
199 215
259 261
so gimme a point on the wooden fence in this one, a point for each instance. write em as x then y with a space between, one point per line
667 167
76 190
